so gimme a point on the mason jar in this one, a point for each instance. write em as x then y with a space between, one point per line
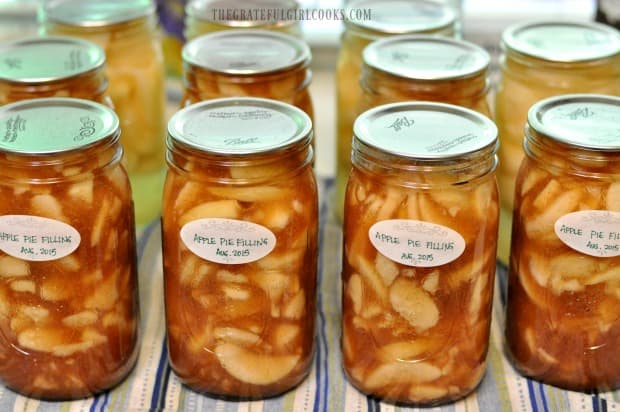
68 274
369 20
425 68
420 229
240 233
52 67
541 59
207 16
253 63
562 325
128 33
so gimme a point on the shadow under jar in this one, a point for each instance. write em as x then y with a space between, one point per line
68 275
387 18
420 230
562 325
253 63
240 232
52 67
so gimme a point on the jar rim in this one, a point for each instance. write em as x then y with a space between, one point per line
55 125
97 13
425 131
436 58
207 10
562 41
585 121
231 52
429 16
42 58
239 126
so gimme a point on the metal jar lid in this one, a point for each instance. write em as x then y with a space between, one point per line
425 131
401 16
239 126
241 13
246 52
54 125
98 13
48 59
422 57
562 41
587 121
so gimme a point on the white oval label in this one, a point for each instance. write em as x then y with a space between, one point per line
36 238
228 241
416 243
591 232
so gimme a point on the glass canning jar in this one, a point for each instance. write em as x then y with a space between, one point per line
425 68
541 59
52 67
387 18
562 325
240 221
420 228
68 274
207 16
253 63
127 31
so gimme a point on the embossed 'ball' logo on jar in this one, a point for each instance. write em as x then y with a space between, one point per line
86 130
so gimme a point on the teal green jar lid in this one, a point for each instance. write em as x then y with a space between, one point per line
589 121
54 125
48 59
89 13
424 130
239 126
242 13
562 41
246 52
400 16
421 57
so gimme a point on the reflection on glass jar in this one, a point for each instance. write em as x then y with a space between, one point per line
52 67
387 18
562 324
122 28
240 233
256 63
207 16
68 273
420 225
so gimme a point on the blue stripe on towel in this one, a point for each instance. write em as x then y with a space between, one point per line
320 403
161 378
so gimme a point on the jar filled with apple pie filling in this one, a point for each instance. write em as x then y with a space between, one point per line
240 221
425 68
52 67
541 59
367 21
253 63
562 325
420 230
128 33
68 275
208 16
